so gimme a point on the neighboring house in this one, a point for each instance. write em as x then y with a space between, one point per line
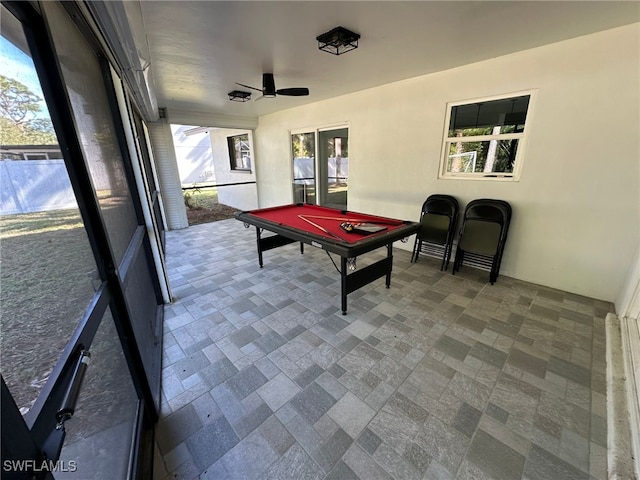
218 157
233 155
193 154
30 152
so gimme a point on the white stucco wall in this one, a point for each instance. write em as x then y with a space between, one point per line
243 197
576 212
193 154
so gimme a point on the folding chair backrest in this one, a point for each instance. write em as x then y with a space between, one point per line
481 237
435 228
485 226
441 204
439 218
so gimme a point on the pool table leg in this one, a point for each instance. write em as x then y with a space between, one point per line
343 284
270 242
389 255
259 247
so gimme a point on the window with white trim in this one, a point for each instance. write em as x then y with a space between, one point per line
484 139
239 152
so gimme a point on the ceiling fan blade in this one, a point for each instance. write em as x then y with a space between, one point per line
269 88
293 92
249 86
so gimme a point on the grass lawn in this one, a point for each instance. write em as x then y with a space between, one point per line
203 207
47 280
46 272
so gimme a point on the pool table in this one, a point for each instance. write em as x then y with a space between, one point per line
321 228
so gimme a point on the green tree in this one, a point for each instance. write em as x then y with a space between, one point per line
18 122
304 145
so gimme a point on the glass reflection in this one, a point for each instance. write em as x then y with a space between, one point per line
47 270
85 85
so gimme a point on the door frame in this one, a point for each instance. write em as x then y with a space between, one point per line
323 169
320 183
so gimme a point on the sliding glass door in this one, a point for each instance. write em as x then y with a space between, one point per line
322 182
333 155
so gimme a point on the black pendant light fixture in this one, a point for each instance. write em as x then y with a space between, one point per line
239 96
338 41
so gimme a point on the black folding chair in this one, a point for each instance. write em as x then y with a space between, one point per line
439 218
483 235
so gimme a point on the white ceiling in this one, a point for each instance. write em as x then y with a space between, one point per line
200 49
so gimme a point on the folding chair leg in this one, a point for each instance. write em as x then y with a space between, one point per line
416 250
447 256
495 266
457 261
445 261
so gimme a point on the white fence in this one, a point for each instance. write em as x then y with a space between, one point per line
304 170
34 186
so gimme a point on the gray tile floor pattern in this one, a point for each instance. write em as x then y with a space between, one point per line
438 377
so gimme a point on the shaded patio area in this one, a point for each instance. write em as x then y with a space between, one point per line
438 377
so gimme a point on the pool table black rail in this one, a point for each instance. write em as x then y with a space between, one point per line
344 249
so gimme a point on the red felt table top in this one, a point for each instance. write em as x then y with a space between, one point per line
304 216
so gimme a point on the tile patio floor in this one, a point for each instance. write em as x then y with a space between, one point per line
438 377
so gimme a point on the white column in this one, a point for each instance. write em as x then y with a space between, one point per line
168 175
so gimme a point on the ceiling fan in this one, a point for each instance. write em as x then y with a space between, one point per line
269 88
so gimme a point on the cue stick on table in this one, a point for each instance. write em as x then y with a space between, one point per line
383 222
319 227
